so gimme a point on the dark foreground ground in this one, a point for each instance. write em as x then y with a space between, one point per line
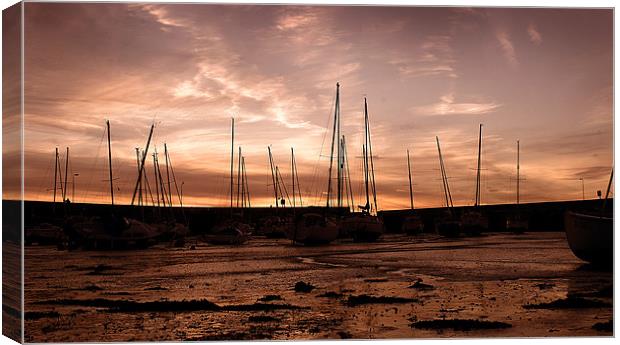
498 285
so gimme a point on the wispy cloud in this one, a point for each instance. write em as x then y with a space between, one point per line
508 47
425 71
448 106
435 57
534 34
161 15
302 18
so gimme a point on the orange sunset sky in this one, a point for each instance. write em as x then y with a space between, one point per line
543 76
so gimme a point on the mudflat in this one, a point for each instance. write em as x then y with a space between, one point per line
495 285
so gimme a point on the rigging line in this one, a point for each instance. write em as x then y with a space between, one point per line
346 156
443 174
336 127
176 186
372 170
301 201
282 184
238 178
94 168
247 185
62 189
273 177
315 168
42 184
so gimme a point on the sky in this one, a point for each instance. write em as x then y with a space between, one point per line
541 75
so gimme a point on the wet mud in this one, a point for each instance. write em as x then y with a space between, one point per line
496 285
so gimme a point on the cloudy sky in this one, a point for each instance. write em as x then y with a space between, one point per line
543 76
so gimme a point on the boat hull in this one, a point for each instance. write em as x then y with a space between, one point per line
311 230
590 237
473 223
275 227
449 228
412 225
362 228
229 233
97 234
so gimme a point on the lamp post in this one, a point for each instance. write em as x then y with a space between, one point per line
583 191
73 187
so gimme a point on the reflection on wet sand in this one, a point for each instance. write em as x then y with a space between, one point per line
498 285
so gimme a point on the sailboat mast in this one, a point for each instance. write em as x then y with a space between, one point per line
372 165
611 177
365 154
242 182
296 176
410 183
477 203
335 132
164 192
140 201
518 167
247 185
293 175
141 173
162 186
176 186
239 177
232 160
339 154
348 172
444 178
64 195
273 177
168 175
55 176
345 191
156 177
277 185
138 166
109 163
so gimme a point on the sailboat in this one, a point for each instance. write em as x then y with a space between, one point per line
365 226
275 225
515 223
446 225
590 234
231 231
314 228
110 231
473 222
171 230
44 232
412 222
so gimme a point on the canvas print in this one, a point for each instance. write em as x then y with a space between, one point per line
191 172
